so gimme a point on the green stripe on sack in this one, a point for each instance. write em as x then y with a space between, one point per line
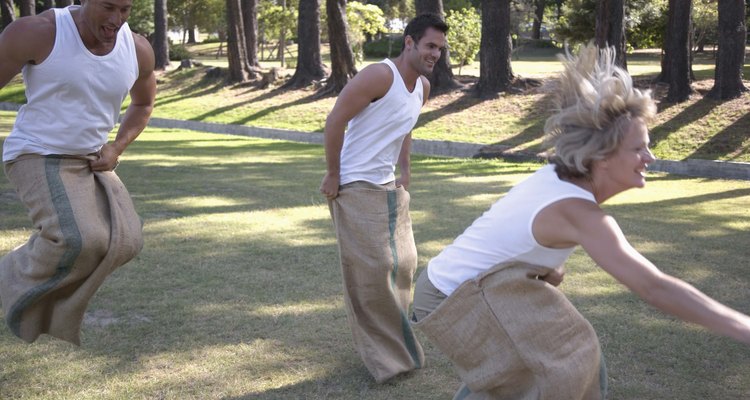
409 339
71 238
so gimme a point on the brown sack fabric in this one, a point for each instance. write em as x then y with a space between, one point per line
511 336
378 260
86 228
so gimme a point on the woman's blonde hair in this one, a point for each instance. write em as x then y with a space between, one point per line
594 107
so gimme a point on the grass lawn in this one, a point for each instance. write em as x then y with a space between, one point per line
698 128
237 293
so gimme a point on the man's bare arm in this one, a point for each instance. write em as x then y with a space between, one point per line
142 96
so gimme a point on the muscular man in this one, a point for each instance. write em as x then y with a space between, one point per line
78 63
369 206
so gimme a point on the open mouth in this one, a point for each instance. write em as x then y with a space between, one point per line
109 32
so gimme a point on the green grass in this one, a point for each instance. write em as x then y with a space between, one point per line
698 128
237 293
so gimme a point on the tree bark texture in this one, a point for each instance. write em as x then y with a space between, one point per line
678 50
536 27
239 69
160 41
731 54
666 61
610 28
7 14
191 32
27 7
250 23
495 72
342 59
441 79
309 62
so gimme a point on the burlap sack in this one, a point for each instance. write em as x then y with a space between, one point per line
378 260
86 227
511 336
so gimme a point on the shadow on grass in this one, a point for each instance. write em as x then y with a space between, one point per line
269 110
200 87
465 101
535 118
689 115
248 287
730 142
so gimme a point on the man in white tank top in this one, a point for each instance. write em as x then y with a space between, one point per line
369 206
78 64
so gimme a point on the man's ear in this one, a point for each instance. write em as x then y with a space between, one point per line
408 42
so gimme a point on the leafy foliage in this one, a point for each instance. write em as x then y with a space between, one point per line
457 5
206 15
141 18
365 20
273 18
464 35
386 46
705 22
178 52
645 22
393 9
578 21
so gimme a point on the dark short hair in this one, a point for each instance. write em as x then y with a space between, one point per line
417 26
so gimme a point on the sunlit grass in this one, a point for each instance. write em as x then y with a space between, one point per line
237 293
699 128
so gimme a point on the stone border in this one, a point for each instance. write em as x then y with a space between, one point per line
691 167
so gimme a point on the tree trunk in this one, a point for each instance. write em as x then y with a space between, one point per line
342 59
27 7
309 63
282 38
160 41
610 28
536 27
239 69
678 51
250 22
191 32
495 72
7 14
441 79
731 55
63 3
666 61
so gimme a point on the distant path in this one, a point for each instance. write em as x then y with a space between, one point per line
690 167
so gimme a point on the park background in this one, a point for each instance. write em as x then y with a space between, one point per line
237 294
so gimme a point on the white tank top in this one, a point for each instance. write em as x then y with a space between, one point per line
73 96
373 139
503 233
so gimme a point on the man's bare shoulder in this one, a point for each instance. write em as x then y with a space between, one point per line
141 43
30 39
143 51
376 71
41 26
372 81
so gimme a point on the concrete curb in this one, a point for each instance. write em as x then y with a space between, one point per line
692 167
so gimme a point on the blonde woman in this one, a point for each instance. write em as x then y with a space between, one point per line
488 300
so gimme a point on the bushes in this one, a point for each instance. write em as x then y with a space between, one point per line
387 46
178 52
